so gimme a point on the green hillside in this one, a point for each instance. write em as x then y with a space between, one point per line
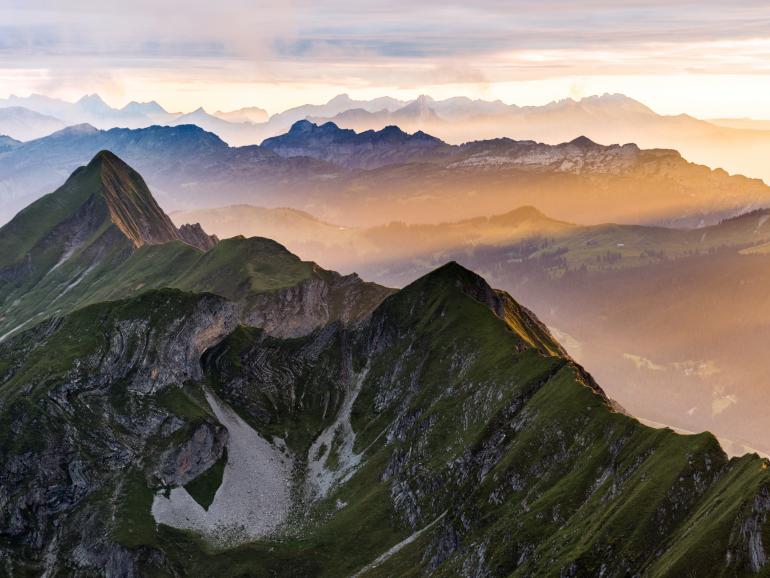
102 236
450 410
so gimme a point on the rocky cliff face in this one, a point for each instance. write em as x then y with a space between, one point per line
578 156
87 400
447 434
195 236
314 303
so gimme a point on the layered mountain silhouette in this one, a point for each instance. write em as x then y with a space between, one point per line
365 150
24 124
252 114
183 162
738 145
319 169
735 146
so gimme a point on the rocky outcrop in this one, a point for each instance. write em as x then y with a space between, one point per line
302 308
747 544
181 464
580 156
193 234
150 358
103 413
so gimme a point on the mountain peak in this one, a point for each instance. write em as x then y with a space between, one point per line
452 278
93 103
131 206
525 212
392 130
106 156
136 107
583 142
343 98
618 101
302 126
421 107
345 147
76 130
91 98
7 143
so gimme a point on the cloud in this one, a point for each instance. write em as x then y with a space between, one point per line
144 28
269 29
366 44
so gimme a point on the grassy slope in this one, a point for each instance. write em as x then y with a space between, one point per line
236 269
468 378
31 224
559 440
108 209
624 517
614 246
205 486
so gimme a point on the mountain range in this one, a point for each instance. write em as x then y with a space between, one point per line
237 411
372 178
183 164
36 116
365 150
397 252
737 145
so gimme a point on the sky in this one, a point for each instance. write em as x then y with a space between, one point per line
707 58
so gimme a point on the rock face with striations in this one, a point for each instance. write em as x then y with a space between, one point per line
446 434
131 206
194 235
